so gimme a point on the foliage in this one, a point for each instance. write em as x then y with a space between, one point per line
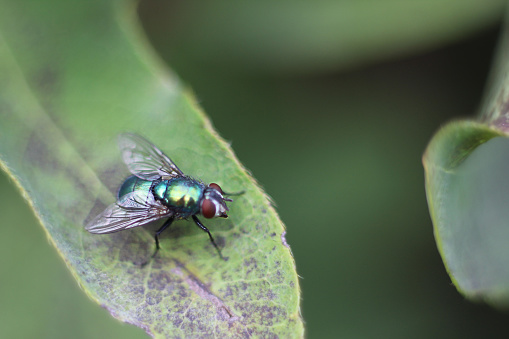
68 88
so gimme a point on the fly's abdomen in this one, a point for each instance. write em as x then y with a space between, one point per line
181 194
134 184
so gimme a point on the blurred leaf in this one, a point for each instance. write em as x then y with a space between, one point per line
304 36
468 193
75 75
458 208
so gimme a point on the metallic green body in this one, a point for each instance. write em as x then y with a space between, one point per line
132 184
182 195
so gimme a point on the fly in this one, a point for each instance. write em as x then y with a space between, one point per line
158 189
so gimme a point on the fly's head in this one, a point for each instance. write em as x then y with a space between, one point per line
213 204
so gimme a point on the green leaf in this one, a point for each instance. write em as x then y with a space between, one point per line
466 165
74 76
457 204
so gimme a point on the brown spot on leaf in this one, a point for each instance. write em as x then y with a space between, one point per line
153 298
39 155
158 280
46 81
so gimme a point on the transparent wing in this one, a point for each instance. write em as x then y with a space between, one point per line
128 213
145 160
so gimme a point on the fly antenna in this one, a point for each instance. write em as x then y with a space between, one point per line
236 193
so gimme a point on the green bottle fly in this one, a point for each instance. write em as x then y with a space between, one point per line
158 189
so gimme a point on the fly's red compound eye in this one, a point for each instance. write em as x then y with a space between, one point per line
216 187
208 209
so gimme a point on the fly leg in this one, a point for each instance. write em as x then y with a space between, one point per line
200 225
166 224
158 233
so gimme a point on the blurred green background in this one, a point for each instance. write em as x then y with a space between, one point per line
331 108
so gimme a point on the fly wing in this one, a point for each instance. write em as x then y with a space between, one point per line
129 213
145 160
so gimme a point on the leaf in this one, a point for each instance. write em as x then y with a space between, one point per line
455 202
466 165
74 76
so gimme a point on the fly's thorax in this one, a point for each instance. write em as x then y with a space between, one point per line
183 195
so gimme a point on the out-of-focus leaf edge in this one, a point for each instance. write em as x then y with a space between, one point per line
448 148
